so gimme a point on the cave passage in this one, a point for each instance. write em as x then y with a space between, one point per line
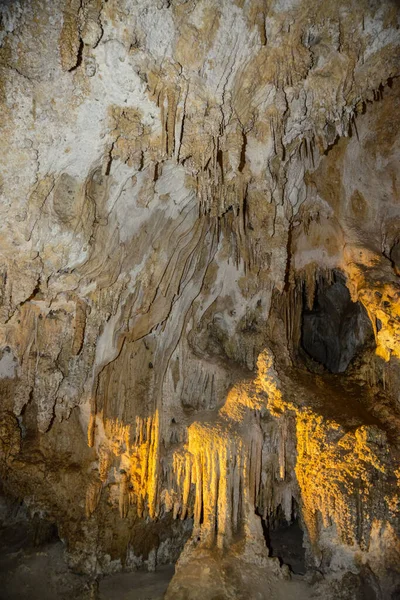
285 542
285 539
335 329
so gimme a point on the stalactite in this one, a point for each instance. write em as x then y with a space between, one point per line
105 461
310 284
171 118
152 489
79 327
91 430
223 462
163 104
124 495
93 494
282 448
292 309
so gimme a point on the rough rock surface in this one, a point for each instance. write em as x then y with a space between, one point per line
194 196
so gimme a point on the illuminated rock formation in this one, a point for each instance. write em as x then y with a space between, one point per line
199 299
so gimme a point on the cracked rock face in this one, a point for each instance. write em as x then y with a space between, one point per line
200 295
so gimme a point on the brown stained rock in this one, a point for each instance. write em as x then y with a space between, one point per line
70 40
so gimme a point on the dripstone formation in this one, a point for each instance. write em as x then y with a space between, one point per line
199 288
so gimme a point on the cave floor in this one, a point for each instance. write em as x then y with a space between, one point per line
42 574
137 585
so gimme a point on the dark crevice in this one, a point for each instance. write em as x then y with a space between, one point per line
332 145
181 136
33 295
220 160
285 540
79 57
394 256
289 259
286 543
243 153
336 328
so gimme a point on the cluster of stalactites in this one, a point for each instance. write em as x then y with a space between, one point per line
240 463
141 476
138 466
222 470
337 473
278 487
230 469
301 292
230 463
